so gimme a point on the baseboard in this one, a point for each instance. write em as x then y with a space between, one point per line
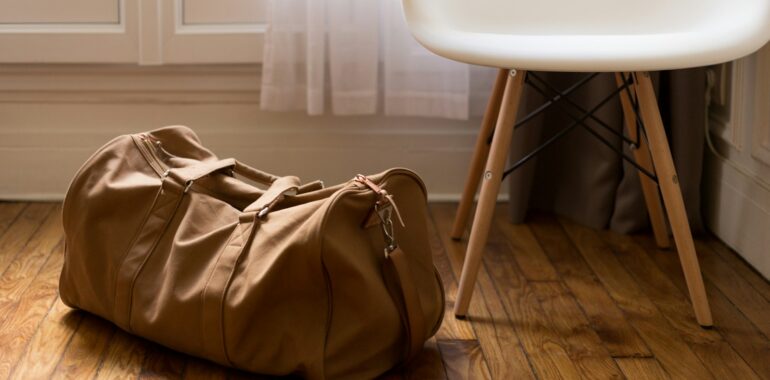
57 197
738 212
55 116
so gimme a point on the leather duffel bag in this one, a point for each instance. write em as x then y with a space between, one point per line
175 245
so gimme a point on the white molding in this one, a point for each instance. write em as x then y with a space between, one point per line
55 197
130 84
150 32
194 29
728 124
55 116
51 28
736 186
738 211
73 43
209 43
69 28
230 28
40 150
760 149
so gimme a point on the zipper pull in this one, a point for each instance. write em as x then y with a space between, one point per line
366 181
385 198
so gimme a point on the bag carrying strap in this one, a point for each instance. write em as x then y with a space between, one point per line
412 316
195 172
274 194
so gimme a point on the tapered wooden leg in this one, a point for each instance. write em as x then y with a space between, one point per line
493 176
642 156
481 151
672 197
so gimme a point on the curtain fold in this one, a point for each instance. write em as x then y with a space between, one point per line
353 57
357 54
582 179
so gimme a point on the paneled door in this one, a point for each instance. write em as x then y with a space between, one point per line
147 32
92 31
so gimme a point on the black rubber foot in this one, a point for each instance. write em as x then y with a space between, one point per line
456 238
460 317
707 327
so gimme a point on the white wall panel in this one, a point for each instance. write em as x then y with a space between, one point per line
59 11
211 42
761 141
737 175
224 11
110 40
54 117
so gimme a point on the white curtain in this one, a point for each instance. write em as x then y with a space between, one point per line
355 57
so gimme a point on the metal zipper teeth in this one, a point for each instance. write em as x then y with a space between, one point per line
149 152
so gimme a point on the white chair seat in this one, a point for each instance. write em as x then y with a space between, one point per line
592 35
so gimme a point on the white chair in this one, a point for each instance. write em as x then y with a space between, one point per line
630 38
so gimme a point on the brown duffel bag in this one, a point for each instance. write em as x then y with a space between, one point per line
166 242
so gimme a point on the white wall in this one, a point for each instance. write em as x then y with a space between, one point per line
119 66
52 117
737 178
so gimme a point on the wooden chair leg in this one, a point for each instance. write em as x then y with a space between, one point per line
493 176
481 152
672 196
642 156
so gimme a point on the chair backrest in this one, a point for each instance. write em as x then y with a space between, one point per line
587 17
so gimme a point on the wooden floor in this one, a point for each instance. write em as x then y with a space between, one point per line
554 300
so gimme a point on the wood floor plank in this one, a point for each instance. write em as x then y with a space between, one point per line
734 327
609 322
162 363
463 359
502 350
529 256
761 284
428 364
584 346
742 294
48 343
23 320
124 357
543 346
85 352
714 352
9 211
641 369
22 229
674 355
553 300
451 327
21 270
198 369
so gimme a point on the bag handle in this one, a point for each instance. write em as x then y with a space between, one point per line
412 315
194 172
280 187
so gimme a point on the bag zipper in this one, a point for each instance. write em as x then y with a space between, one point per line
149 149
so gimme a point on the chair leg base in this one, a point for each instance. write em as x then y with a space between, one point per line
480 155
672 198
656 156
492 179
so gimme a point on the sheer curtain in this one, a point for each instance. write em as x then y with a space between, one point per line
357 57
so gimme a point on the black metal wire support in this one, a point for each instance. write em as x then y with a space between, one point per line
557 98
548 103
578 108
